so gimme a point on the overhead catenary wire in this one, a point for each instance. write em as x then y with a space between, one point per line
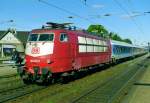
65 10
84 1
87 19
132 19
110 27
131 7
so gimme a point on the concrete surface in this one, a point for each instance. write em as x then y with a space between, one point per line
140 92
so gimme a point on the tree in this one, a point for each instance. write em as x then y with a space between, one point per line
98 29
101 31
127 41
115 36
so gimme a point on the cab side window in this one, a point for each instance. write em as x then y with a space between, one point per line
63 37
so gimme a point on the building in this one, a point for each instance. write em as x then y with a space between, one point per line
12 39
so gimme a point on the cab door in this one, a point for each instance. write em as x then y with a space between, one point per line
63 52
64 46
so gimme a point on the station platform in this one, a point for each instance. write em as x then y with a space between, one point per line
140 92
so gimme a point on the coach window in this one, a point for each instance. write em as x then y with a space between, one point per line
63 37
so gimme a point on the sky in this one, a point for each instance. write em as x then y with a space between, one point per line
125 17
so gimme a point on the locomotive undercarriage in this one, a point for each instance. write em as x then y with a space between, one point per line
28 78
47 77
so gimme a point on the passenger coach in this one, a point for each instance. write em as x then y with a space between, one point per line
122 50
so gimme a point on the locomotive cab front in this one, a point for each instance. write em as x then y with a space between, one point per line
48 53
38 55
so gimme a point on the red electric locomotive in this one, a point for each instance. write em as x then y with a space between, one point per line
58 50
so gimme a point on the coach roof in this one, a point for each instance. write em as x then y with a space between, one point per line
114 42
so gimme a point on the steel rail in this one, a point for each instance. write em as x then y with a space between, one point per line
19 92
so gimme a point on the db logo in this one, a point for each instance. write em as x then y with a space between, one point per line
35 50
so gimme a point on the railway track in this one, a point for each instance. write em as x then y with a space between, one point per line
8 76
13 84
109 91
106 92
15 93
7 80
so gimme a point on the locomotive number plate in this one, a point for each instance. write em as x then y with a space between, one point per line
35 50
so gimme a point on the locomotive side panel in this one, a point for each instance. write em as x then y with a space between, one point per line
92 51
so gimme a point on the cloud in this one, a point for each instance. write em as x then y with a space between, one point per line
98 6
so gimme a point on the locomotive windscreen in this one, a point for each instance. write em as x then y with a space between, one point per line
33 37
41 37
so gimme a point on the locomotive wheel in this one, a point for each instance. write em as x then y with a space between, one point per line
76 75
46 79
53 80
27 79
64 79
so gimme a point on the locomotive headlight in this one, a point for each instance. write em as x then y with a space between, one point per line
48 61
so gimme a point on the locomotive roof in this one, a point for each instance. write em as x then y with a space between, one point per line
65 27
77 32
